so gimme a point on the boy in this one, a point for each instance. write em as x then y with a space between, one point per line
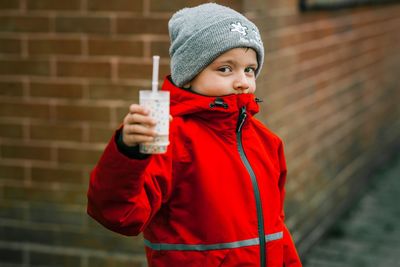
216 197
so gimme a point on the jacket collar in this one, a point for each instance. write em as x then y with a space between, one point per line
184 102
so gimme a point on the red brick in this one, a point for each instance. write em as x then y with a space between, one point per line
113 47
60 46
24 110
108 90
82 113
22 23
134 71
55 132
44 195
11 89
140 71
25 151
99 69
60 259
11 130
140 25
301 37
311 54
10 46
9 4
160 48
56 175
13 173
41 214
99 134
115 262
121 113
14 211
115 5
24 67
173 6
82 24
56 89
237 5
53 5
78 156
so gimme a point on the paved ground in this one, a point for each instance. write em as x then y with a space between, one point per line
369 236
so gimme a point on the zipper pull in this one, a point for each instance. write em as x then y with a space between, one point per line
241 119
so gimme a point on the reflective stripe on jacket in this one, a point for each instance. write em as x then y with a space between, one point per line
214 199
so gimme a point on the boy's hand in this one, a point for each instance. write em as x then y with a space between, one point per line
138 126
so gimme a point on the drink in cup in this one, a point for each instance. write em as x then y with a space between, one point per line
158 104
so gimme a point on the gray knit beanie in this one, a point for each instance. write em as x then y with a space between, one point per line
202 33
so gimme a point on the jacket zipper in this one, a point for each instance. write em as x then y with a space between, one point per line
260 219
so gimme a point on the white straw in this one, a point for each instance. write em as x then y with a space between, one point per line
156 63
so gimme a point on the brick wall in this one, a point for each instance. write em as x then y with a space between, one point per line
69 69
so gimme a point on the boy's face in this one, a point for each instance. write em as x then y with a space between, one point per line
231 73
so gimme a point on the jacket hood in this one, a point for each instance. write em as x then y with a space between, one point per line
184 102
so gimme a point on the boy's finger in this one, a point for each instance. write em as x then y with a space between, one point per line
135 108
135 118
138 129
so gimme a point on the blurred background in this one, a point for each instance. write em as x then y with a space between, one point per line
70 68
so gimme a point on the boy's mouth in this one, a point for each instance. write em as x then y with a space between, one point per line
237 92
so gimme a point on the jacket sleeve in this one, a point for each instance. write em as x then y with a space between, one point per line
290 255
125 193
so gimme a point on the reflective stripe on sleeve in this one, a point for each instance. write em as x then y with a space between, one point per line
229 245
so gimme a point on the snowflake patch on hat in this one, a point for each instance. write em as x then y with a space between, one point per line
245 36
238 27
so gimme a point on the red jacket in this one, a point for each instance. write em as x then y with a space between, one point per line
214 199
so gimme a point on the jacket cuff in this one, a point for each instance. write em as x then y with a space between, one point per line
131 152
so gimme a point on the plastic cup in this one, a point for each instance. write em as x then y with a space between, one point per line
158 104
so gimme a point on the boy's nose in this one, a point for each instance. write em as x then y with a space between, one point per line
241 83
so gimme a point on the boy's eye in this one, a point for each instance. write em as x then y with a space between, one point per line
224 69
250 70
